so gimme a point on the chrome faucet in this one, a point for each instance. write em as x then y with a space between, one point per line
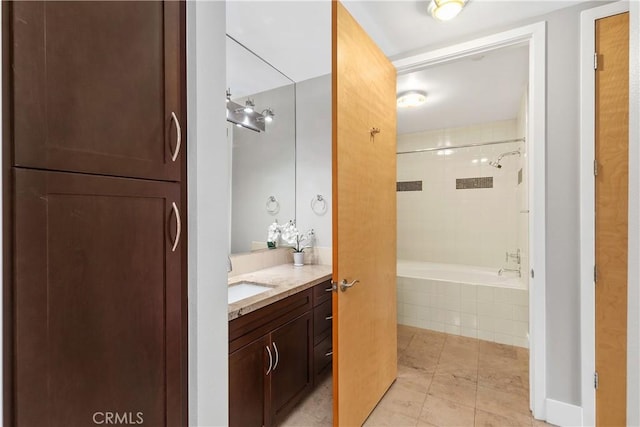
515 270
229 264
515 256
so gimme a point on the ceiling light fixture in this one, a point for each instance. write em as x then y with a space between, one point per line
412 98
445 10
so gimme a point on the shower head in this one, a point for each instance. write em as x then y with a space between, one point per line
496 162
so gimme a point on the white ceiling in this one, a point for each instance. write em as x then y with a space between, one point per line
295 37
479 89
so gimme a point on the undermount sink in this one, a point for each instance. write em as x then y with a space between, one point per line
242 290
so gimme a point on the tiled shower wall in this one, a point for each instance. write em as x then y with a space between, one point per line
465 225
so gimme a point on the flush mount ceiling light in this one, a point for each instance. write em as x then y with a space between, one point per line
412 98
445 10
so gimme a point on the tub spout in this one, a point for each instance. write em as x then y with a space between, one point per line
514 270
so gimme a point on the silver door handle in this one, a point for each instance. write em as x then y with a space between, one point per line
275 348
176 151
270 360
344 285
178 226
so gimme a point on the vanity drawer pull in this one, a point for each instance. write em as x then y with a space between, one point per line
329 354
328 318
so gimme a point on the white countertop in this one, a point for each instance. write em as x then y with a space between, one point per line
285 279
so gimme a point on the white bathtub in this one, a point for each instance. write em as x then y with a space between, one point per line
464 300
466 274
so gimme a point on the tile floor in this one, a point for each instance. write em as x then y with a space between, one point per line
443 380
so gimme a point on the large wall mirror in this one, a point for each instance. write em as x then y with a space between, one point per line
261 129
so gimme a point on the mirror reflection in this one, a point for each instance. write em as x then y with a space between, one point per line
261 130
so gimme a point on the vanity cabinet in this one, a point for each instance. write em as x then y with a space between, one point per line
276 354
322 330
270 361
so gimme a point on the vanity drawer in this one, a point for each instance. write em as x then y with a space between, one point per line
322 293
249 327
322 321
322 357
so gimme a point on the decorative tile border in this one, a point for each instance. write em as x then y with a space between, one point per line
409 186
474 183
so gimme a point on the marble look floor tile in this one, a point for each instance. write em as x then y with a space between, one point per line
488 419
501 402
493 349
511 382
454 388
444 413
384 417
403 398
417 379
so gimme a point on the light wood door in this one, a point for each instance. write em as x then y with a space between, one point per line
612 118
364 220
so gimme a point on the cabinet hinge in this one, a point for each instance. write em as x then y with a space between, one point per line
595 274
595 60
595 167
595 380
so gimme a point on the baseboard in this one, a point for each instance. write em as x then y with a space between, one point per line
563 414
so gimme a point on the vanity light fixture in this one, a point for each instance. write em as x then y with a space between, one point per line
267 115
444 10
412 98
249 106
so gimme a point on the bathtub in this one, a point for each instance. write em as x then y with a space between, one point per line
464 300
467 274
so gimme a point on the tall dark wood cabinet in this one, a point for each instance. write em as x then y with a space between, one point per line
94 202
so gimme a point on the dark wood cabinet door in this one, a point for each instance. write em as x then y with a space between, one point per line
96 86
248 383
291 377
98 301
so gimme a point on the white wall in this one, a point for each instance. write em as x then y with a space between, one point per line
313 155
459 226
562 193
264 166
208 197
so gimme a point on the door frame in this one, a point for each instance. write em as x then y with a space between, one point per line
587 211
534 36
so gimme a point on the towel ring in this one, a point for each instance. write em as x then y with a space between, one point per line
319 205
273 206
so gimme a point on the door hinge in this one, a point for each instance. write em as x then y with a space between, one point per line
595 274
595 60
596 380
532 273
595 167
